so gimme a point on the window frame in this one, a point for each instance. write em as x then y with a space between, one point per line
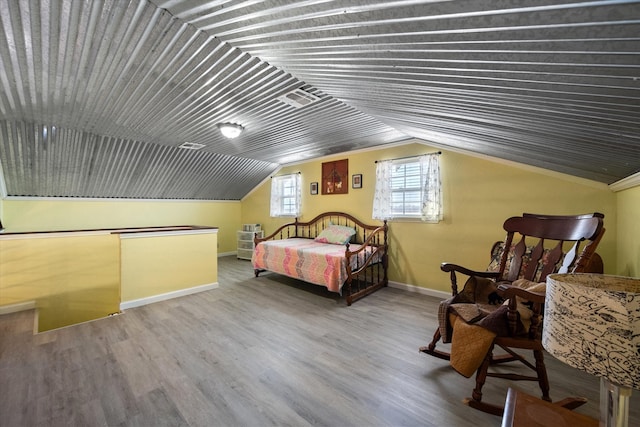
285 196
405 189
420 185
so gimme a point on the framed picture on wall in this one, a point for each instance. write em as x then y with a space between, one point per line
314 188
335 177
356 181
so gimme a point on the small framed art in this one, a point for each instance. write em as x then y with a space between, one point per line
314 188
356 181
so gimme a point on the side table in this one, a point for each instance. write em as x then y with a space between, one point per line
523 410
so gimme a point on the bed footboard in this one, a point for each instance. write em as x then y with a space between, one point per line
366 264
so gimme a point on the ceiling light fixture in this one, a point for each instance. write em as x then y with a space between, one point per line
230 130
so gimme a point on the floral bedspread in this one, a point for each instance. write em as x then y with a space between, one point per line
319 263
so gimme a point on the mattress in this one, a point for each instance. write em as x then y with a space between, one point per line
305 259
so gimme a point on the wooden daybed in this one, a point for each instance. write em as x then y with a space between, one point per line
312 252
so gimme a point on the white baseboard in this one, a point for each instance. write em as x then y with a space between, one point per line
124 305
28 305
420 290
14 308
221 254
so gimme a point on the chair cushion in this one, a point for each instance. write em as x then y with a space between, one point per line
496 256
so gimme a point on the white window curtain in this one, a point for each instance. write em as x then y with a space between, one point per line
382 193
431 188
286 195
387 183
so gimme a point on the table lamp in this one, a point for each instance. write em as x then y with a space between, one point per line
592 322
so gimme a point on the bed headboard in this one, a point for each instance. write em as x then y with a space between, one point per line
310 229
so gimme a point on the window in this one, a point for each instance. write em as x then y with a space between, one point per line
285 195
408 188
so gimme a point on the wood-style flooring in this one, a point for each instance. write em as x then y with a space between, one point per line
267 351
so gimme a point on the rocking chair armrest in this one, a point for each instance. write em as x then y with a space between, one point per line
510 292
449 267
507 291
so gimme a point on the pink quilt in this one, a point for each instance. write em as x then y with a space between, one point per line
319 263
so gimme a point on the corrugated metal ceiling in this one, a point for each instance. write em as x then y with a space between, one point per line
545 83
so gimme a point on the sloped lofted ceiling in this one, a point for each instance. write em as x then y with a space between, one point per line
97 96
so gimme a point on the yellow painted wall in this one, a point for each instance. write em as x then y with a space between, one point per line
70 279
70 214
629 232
479 195
162 264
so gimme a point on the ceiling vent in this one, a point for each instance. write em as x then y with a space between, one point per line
191 145
298 98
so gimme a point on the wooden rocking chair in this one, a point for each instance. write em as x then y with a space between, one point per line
534 248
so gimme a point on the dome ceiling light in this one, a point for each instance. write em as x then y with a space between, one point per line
230 130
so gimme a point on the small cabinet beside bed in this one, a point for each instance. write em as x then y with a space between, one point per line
334 250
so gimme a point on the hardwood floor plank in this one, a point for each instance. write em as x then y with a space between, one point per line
157 409
266 351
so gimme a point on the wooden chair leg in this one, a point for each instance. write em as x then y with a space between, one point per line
481 376
434 341
431 347
541 370
483 372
